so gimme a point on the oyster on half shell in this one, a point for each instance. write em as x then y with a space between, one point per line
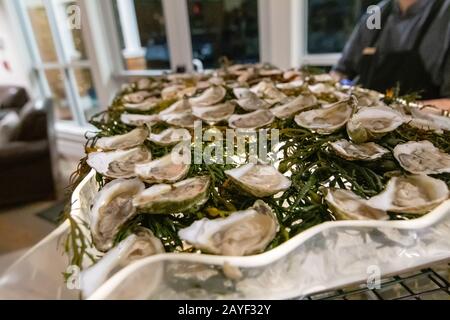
113 207
146 105
417 194
251 121
136 97
358 152
182 196
139 120
260 180
242 233
182 120
293 107
209 97
249 101
118 164
170 137
131 139
181 106
422 158
214 114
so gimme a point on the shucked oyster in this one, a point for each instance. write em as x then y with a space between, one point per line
371 123
249 101
139 120
254 120
183 120
179 197
348 206
293 107
146 105
131 139
422 158
358 152
326 120
416 194
260 180
181 106
168 169
214 114
118 164
170 137
428 121
113 207
136 97
210 97
267 91
242 233
139 245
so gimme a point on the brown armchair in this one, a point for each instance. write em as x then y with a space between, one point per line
27 166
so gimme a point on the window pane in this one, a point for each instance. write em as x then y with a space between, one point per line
86 92
144 43
41 28
224 28
330 23
55 80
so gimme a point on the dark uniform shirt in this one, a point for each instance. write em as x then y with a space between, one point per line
399 33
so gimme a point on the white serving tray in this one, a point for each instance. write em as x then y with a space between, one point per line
327 256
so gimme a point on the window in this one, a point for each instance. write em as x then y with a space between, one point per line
224 28
330 23
59 58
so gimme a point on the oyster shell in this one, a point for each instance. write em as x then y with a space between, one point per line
260 180
170 137
422 158
358 152
118 164
139 245
346 205
209 97
293 85
254 120
326 120
268 91
146 105
182 196
322 88
113 207
293 107
249 101
181 106
371 123
139 120
417 194
429 121
136 97
168 169
242 233
183 120
214 114
131 139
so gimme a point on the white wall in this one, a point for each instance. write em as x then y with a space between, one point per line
12 52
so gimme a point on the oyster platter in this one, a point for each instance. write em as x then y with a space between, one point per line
170 205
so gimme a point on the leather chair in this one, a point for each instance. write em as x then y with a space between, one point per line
27 162
12 97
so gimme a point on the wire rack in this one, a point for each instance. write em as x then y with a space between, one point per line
426 284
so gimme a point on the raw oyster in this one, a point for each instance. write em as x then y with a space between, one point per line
182 196
209 97
168 169
268 91
289 109
136 97
346 205
170 137
326 120
131 139
362 152
144 84
322 88
139 120
171 92
429 121
113 206
293 85
183 120
214 114
254 120
260 180
324 77
249 101
417 194
242 233
118 164
371 123
181 106
422 158
146 105
139 245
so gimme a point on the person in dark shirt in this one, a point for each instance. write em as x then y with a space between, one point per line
411 50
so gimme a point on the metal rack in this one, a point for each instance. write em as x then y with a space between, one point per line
426 284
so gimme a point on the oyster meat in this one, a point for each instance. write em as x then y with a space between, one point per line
146 105
136 97
326 120
422 158
182 196
168 169
118 164
209 97
251 121
346 205
358 152
170 137
131 139
242 233
181 106
139 120
260 180
293 107
113 207
293 85
183 120
249 101
214 114
417 194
